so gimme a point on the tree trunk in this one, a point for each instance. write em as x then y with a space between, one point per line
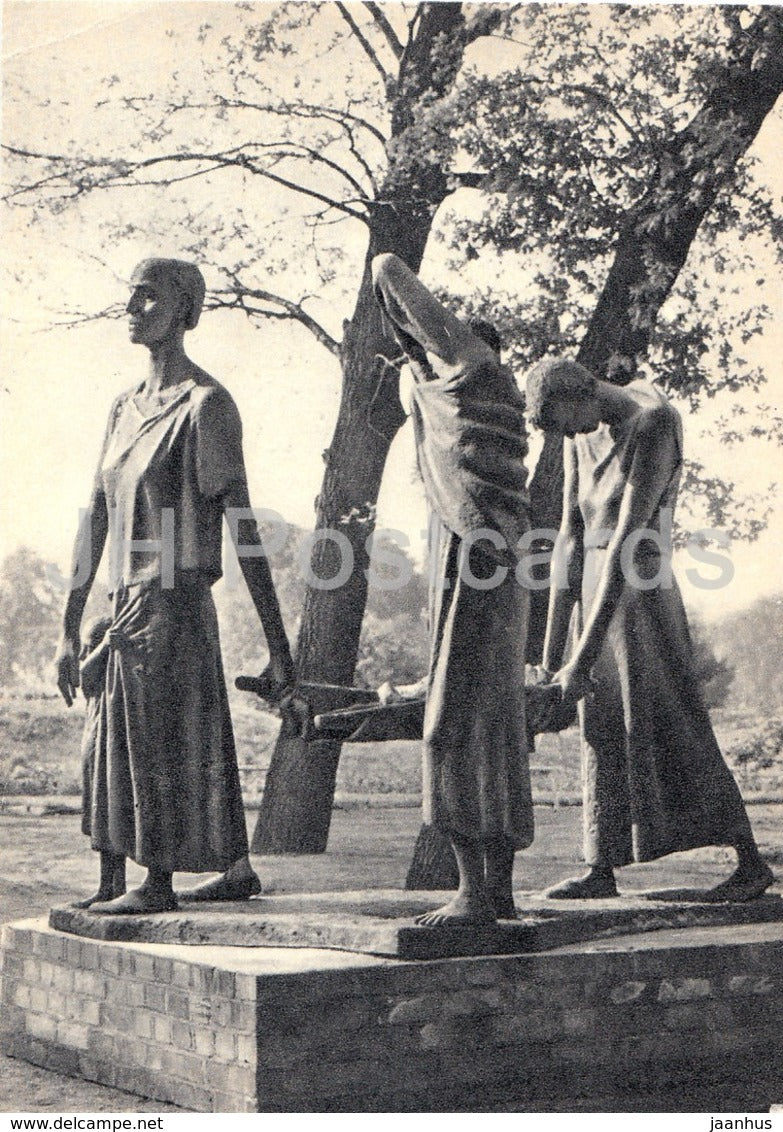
434 865
297 801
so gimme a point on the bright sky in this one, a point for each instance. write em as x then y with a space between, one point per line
57 385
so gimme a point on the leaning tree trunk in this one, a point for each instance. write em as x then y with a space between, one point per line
434 865
297 801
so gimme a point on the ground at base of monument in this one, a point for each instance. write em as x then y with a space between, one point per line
382 922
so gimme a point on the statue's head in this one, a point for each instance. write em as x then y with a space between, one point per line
487 332
561 397
166 297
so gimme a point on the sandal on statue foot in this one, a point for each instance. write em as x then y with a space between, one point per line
583 888
223 888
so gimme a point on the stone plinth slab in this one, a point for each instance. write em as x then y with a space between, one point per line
382 922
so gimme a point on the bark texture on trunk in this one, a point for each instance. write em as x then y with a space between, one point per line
297 802
434 865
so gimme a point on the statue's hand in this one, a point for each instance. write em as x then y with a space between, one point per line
278 676
574 684
66 663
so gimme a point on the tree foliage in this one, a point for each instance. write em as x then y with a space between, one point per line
749 641
393 644
619 167
608 120
29 613
31 597
714 673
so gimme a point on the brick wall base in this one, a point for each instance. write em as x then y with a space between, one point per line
672 1021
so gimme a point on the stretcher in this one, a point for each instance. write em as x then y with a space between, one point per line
346 714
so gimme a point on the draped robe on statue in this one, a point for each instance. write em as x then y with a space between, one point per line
165 785
470 445
654 779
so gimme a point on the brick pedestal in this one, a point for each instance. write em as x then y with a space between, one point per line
600 1026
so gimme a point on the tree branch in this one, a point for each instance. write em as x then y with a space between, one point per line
359 158
71 318
283 110
367 47
230 299
239 293
588 92
379 16
123 177
468 180
314 111
286 149
603 100
486 19
695 166
344 119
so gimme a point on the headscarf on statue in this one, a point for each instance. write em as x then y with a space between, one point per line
468 414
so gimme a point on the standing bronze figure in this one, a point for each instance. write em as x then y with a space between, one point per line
470 446
166 789
654 779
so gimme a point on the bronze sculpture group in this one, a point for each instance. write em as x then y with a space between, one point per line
161 777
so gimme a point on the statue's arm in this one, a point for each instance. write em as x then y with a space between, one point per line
220 468
567 564
258 576
418 317
87 553
647 480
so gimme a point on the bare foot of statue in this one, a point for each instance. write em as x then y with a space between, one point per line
139 902
464 909
239 882
102 896
112 881
747 882
596 885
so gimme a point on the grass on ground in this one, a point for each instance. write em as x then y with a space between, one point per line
40 743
